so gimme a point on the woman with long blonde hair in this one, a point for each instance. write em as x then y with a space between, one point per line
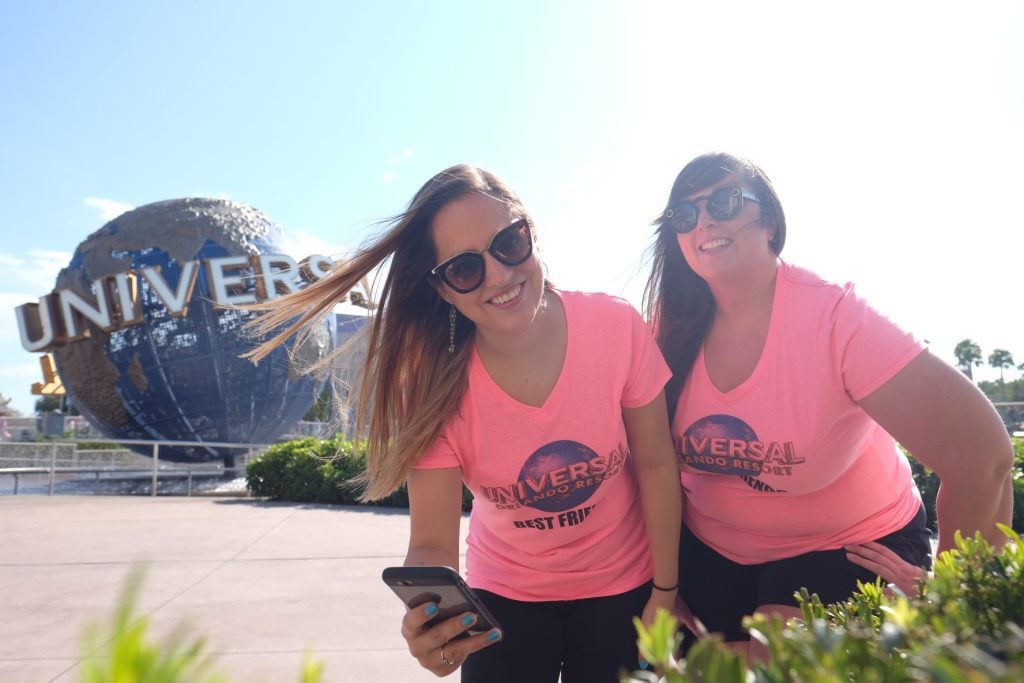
547 404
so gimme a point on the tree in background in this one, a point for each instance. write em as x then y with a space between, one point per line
47 404
968 354
5 412
320 411
1007 394
1000 359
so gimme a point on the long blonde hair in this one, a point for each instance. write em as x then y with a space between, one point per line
410 384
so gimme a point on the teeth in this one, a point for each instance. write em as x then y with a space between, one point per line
505 298
714 243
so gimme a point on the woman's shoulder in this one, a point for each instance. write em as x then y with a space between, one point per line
808 294
805 276
805 283
597 315
595 301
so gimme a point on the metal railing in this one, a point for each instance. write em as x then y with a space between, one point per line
26 429
188 472
1016 426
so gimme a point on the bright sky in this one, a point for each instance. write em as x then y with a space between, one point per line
892 131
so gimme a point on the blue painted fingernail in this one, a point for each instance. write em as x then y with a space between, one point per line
643 664
468 619
494 635
431 609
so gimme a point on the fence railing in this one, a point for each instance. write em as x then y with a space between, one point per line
189 472
77 427
1012 414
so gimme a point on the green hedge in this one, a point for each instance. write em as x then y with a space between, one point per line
963 626
315 470
127 651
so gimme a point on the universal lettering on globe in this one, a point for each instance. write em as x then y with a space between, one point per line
146 338
58 317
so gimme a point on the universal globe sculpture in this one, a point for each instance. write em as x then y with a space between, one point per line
167 367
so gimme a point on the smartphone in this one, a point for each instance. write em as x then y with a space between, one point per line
443 586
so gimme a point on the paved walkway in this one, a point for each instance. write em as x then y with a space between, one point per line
264 583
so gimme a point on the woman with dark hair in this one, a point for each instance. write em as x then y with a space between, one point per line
788 395
548 404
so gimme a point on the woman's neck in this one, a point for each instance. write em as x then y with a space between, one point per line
745 298
541 331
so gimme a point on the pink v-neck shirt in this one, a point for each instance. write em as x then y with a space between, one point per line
787 462
556 511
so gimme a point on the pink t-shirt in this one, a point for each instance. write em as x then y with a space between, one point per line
787 462
556 514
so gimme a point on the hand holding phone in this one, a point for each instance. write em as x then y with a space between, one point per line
444 587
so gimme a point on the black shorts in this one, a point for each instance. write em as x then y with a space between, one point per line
576 641
721 592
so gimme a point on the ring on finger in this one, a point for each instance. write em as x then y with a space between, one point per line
445 660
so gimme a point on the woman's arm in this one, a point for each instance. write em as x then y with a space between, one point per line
435 511
948 425
660 495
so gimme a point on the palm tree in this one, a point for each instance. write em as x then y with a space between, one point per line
1000 359
968 354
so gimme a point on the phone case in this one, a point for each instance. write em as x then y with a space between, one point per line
442 585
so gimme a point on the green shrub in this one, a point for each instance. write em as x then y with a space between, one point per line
963 626
1018 486
127 654
312 470
928 484
95 445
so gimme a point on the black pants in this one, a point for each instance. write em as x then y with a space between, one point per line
721 592
586 641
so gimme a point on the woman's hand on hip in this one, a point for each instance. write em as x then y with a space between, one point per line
902 576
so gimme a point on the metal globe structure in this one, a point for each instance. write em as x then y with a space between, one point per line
175 372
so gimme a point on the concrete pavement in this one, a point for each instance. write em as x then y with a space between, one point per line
264 583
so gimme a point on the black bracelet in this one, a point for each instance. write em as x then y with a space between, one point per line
669 589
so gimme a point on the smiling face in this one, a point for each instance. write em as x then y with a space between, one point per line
717 249
510 296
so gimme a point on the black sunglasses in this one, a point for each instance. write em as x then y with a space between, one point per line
723 204
464 272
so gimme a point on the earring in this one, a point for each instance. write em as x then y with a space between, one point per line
452 317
